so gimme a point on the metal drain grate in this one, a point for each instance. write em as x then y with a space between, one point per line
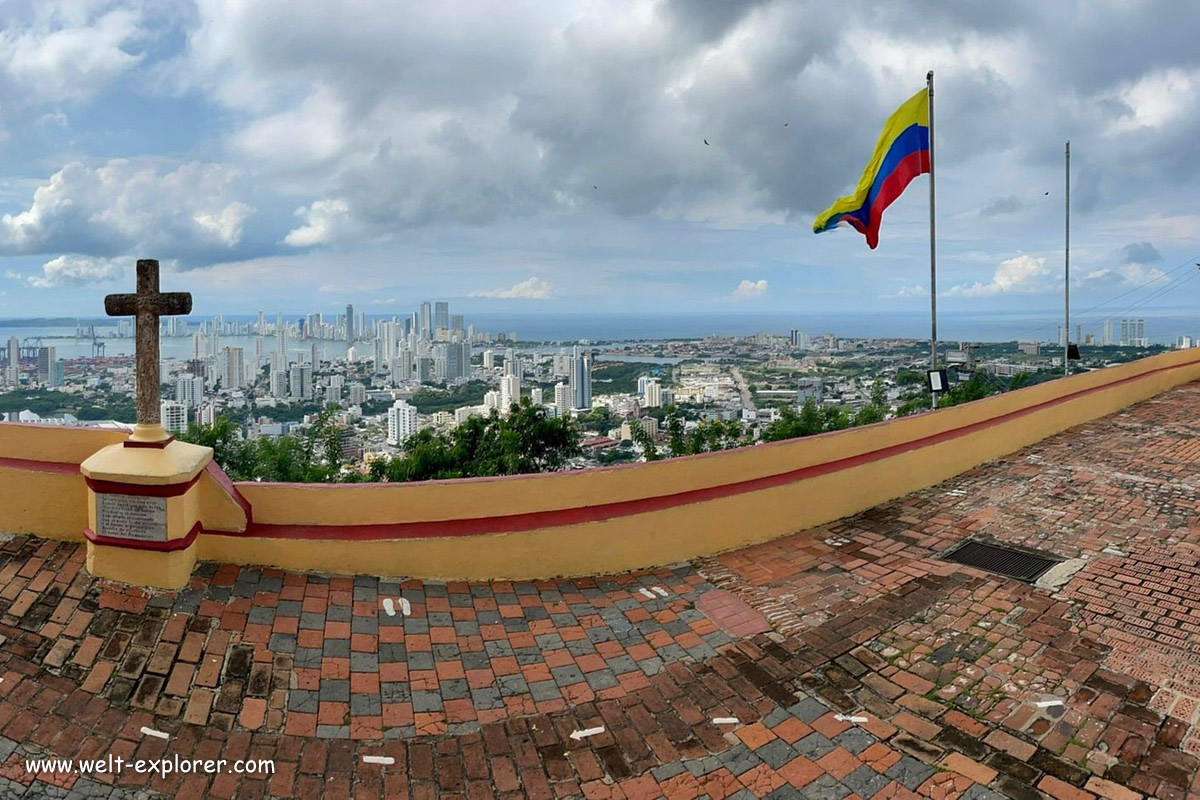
1002 560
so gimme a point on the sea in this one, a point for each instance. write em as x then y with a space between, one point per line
1161 327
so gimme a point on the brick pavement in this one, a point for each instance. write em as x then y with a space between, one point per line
841 662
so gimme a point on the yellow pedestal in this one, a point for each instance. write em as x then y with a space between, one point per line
144 512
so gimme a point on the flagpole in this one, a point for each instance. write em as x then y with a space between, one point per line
932 245
1067 274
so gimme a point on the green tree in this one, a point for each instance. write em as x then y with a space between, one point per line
974 388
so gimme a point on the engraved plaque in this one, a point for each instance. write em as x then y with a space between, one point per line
131 516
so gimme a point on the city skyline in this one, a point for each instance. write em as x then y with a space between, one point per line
624 157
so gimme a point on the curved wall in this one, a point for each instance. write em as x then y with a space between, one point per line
630 517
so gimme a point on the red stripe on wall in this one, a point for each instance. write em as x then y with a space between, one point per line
169 546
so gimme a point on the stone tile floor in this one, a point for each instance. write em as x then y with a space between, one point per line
841 662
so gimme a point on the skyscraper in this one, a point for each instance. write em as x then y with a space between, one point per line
653 394
581 380
402 423
174 416
562 399
350 332
441 317
510 392
45 368
281 338
1108 333
426 321
189 390
300 382
232 369
14 352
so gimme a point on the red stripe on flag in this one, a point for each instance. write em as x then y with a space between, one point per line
892 187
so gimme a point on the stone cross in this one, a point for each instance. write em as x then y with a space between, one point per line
146 307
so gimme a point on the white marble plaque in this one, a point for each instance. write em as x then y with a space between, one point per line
131 516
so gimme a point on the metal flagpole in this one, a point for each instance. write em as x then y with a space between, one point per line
1067 275
932 245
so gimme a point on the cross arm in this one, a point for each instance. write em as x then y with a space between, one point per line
121 305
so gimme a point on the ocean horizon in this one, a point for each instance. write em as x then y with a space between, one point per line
1162 327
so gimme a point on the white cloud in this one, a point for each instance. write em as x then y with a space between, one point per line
124 207
748 289
13 275
385 302
325 220
916 290
530 289
227 223
1125 275
77 271
69 52
1021 274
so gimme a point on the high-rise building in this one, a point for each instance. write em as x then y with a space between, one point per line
562 399
279 383
232 369
535 396
260 328
300 381
456 322
315 356
513 365
189 390
441 317
510 392
1107 338
281 338
356 394
641 384
174 416
350 332
45 367
426 321
458 360
581 380
1133 333
489 359
653 395
14 352
799 339
402 423
809 388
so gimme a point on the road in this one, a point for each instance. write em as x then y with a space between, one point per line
743 387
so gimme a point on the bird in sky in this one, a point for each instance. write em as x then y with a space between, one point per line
706 142
595 187
1047 194
785 124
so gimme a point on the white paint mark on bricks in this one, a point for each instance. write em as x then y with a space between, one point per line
647 593
659 591
725 720
389 607
151 732
405 606
1048 703
385 760
845 718
586 732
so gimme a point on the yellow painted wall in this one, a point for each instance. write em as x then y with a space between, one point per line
640 540
53 442
45 504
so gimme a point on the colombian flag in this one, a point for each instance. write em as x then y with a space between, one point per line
901 154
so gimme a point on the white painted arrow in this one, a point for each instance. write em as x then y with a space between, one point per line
586 732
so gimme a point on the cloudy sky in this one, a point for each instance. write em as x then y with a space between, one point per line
551 155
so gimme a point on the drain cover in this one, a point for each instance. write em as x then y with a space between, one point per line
1019 564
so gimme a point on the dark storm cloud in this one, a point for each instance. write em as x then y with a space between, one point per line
1002 206
1140 253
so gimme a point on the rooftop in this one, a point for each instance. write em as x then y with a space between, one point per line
847 660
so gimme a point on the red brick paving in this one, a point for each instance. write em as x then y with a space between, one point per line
957 682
